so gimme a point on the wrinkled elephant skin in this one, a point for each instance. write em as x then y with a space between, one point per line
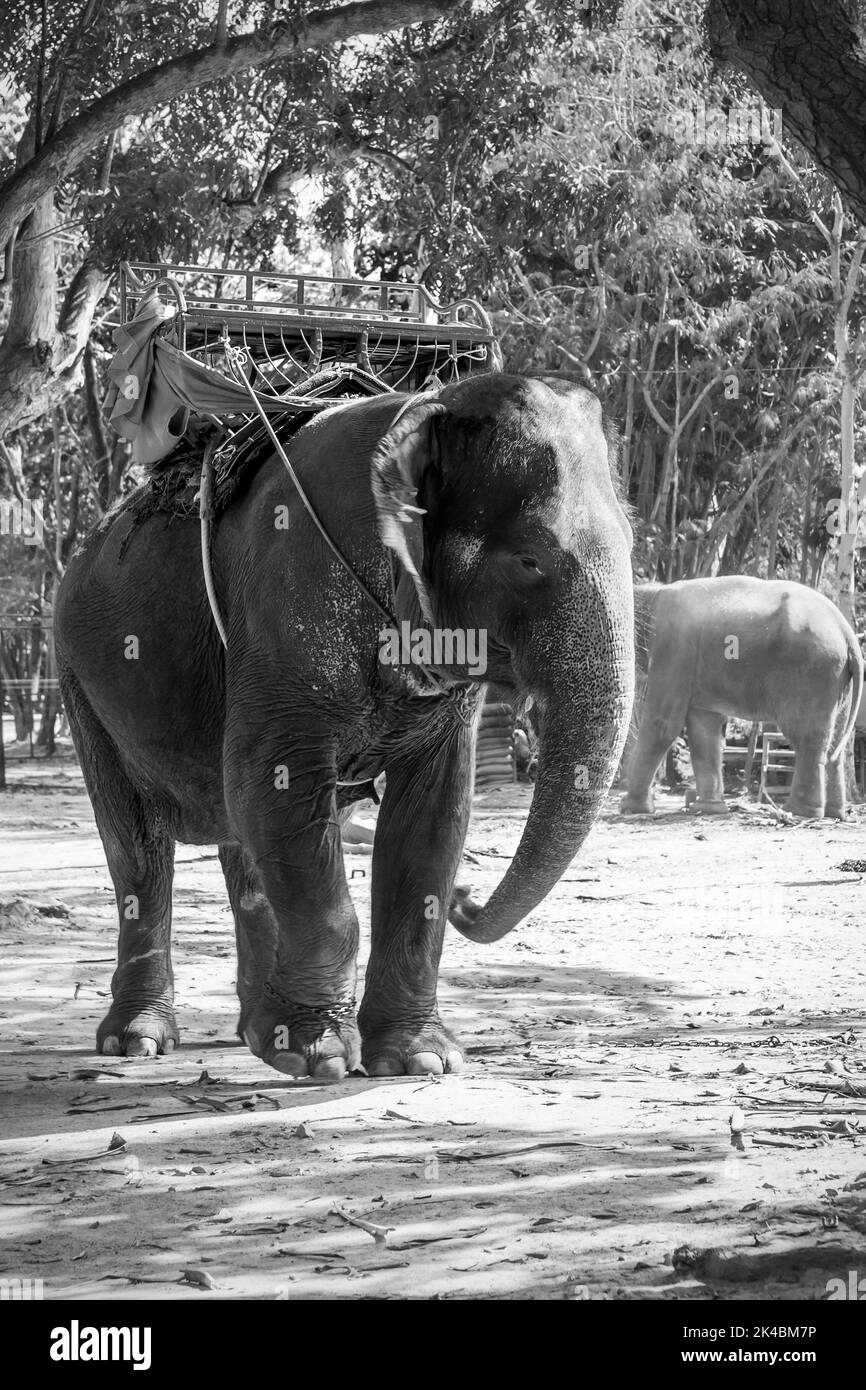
488 511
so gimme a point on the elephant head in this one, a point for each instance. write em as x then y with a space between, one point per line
498 500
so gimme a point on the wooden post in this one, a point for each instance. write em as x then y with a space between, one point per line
2 744
754 733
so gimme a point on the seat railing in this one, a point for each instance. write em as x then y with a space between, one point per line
209 292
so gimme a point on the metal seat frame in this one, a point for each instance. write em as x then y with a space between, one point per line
281 346
292 326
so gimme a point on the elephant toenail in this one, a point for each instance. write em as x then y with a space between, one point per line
425 1063
289 1063
330 1069
385 1066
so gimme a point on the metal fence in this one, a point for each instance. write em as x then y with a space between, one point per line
29 689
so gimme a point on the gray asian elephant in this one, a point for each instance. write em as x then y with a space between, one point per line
758 649
488 510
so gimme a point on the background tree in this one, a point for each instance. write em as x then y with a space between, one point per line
806 58
627 212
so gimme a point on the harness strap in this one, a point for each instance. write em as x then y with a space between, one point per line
206 514
235 357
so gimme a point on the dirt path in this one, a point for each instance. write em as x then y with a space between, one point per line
683 972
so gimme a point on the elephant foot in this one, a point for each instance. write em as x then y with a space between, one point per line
696 807
301 1041
804 809
635 805
409 1049
837 812
147 1033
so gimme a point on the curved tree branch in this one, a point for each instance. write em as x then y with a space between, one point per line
162 84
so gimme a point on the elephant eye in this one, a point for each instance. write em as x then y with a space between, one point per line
522 568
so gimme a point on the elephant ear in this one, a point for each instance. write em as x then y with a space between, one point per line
398 465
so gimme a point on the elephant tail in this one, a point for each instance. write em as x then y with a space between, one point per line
855 671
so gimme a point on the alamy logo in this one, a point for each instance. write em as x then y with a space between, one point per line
842 520
22 519
716 128
854 1289
77 1343
20 1289
438 646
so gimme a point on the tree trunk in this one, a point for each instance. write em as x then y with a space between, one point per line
101 462
775 513
806 60
848 508
50 699
42 356
50 694
16 666
807 515
2 740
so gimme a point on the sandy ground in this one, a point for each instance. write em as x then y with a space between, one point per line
664 1098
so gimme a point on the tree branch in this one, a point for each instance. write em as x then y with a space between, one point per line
39 95
805 59
277 182
221 24
779 153
162 84
64 62
101 445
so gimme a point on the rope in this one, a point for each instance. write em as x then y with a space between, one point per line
206 512
235 357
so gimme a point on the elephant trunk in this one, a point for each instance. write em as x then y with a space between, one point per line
585 706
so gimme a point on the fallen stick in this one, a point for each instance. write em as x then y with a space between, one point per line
379 1233
435 1240
116 1145
530 1148
781 1143
803 1106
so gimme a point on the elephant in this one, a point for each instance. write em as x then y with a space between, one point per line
759 649
489 506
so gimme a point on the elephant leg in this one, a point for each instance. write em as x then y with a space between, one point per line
140 1022
808 792
656 734
835 773
255 928
706 731
419 842
280 796
351 832
836 792
140 854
